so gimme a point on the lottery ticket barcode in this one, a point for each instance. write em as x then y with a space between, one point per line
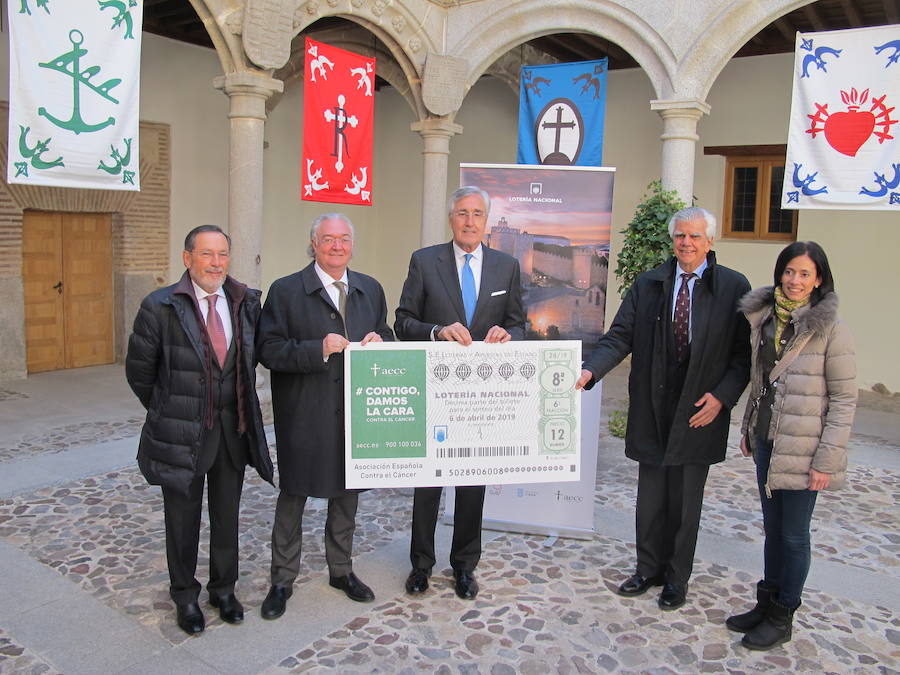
491 451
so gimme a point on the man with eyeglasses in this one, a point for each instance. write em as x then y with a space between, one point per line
308 320
460 291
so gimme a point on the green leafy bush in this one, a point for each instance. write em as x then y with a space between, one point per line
647 242
618 422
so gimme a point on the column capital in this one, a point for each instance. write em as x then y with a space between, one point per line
436 126
248 92
681 107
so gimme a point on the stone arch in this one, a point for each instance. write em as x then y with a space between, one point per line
500 32
702 64
406 47
228 47
387 66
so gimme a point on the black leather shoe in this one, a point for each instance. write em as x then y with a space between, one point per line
230 608
417 581
276 601
353 587
673 596
466 587
190 618
638 585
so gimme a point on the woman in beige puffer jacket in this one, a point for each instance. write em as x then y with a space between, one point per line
797 423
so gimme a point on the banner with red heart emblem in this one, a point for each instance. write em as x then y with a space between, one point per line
338 120
843 151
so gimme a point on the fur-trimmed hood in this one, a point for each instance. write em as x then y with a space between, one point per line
759 304
814 388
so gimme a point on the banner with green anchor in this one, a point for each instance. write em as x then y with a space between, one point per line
74 93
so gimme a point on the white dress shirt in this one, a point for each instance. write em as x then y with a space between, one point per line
221 310
328 282
678 272
474 263
332 290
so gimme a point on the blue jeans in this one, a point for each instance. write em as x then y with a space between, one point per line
786 518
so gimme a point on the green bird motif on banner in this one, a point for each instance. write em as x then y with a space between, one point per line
123 15
41 4
34 153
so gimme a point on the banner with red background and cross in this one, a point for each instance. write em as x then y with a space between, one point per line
843 151
338 122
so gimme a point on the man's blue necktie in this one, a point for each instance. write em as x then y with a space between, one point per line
470 297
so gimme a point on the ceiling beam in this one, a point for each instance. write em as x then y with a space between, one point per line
891 10
556 48
814 17
566 43
786 28
175 11
160 5
853 17
608 47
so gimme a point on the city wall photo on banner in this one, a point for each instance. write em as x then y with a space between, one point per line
556 221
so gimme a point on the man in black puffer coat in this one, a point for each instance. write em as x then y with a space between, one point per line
191 362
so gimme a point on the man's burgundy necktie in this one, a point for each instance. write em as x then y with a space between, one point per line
216 330
681 320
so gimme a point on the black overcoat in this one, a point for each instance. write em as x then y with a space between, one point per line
719 362
169 366
307 391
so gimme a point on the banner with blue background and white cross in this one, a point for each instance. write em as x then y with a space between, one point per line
561 113
843 150
74 93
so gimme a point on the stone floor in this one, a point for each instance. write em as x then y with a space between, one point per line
86 584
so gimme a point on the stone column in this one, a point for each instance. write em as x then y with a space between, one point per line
436 132
679 139
247 94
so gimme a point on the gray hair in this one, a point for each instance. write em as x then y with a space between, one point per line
314 228
465 191
191 237
694 213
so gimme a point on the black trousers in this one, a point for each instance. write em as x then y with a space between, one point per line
182 514
465 551
287 536
669 502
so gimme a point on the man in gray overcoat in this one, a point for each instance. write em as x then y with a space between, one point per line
307 321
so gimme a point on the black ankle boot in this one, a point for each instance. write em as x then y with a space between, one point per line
774 630
750 620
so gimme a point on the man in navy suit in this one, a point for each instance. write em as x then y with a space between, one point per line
460 291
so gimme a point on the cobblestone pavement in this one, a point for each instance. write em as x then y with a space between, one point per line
856 526
67 437
545 605
554 610
14 658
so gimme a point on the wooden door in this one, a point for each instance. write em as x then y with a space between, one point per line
67 273
45 336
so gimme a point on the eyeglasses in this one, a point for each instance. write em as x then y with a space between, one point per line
206 254
465 215
328 240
